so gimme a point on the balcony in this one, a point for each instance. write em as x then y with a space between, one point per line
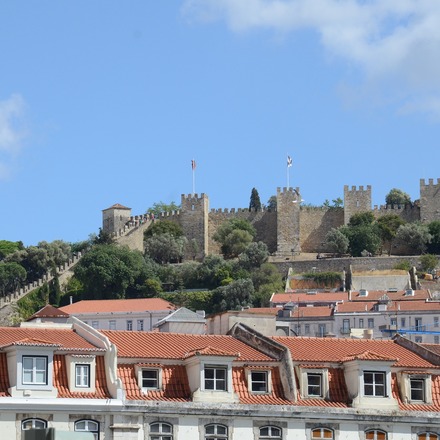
345 330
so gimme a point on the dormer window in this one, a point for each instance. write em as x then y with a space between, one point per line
34 370
150 379
314 385
374 383
82 375
417 389
259 381
215 378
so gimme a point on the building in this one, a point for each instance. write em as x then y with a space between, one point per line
139 314
150 385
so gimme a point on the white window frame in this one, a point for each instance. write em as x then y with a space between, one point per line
267 381
157 371
161 434
34 370
215 434
321 433
216 381
89 426
82 375
375 383
273 433
129 325
35 424
112 324
304 383
140 325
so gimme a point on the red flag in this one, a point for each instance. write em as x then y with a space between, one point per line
193 164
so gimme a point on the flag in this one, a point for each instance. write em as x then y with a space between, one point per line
289 161
193 164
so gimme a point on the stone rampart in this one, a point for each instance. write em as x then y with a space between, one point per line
408 213
315 223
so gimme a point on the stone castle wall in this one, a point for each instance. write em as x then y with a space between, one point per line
289 230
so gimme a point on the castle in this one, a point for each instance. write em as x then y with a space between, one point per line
288 230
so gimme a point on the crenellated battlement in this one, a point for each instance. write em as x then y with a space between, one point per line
430 182
287 229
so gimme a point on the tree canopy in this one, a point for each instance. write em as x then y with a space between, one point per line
397 197
234 236
255 202
414 236
158 207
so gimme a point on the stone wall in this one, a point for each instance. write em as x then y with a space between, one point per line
429 200
314 225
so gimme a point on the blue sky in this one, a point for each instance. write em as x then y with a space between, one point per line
105 102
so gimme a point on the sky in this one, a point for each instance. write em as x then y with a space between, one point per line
105 102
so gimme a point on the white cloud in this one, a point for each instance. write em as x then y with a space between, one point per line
391 41
12 131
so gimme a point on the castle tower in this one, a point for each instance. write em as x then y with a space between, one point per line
115 217
355 201
288 207
429 200
194 222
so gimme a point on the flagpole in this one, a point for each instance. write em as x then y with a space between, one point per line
288 183
193 167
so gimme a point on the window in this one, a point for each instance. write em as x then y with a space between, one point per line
82 375
297 329
314 385
322 330
417 389
370 323
402 322
34 370
161 431
215 378
436 339
427 436
95 324
216 432
33 424
130 325
306 329
375 434
393 322
435 321
270 432
112 324
150 379
374 383
88 426
140 325
259 381
361 322
418 339
322 433
418 324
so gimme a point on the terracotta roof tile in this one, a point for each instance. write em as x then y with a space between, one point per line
336 349
323 297
60 380
116 206
49 312
276 397
209 351
64 338
374 295
174 383
369 356
152 345
118 305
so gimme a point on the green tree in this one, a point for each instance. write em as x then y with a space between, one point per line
429 262
266 280
235 295
397 197
255 202
414 236
434 230
336 203
103 237
9 247
388 226
254 255
164 227
336 242
165 248
12 276
361 219
110 272
55 291
362 238
159 207
272 203
234 236
213 271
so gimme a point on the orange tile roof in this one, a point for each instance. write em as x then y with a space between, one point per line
310 312
174 383
66 339
374 295
433 407
335 350
49 312
403 306
116 206
118 305
262 310
60 380
329 297
276 397
210 351
369 356
152 345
